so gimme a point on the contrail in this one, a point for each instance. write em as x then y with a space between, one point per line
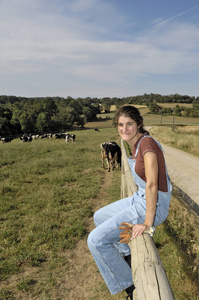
171 18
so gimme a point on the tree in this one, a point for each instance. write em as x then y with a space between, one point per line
64 119
106 105
178 111
154 108
25 122
43 123
49 106
81 121
77 106
196 103
5 117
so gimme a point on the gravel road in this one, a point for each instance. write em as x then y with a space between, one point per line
183 169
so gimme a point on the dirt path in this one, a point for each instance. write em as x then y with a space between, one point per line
83 274
183 169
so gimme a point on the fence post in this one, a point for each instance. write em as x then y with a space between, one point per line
128 186
148 273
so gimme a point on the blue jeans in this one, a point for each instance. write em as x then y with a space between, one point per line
103 241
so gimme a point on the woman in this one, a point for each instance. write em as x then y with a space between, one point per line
148 207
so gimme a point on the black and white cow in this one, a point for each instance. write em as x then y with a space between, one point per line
6 139
111 151
47 136
25 138
70 138
35 136
59 135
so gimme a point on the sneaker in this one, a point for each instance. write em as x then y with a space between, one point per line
129 292
129 297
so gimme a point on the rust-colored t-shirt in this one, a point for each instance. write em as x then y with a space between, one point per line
148 144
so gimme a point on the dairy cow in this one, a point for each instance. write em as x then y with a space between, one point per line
25 138
70 138
111 152
6 139
59 135
35 136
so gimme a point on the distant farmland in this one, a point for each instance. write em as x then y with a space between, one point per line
188 105
105 119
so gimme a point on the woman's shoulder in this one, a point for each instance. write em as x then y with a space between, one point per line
149 143
148 139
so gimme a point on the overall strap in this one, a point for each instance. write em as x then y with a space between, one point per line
139 144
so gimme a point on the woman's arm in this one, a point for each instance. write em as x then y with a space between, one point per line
151 172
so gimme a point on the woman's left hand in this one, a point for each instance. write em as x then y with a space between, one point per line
138 230
131 231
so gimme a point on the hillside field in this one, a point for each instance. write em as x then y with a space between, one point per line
48 193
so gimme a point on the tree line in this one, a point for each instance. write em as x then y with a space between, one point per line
178 110
21 115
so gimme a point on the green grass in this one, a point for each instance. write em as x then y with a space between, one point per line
46 192
150 120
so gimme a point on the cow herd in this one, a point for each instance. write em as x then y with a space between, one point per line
110 151
28 138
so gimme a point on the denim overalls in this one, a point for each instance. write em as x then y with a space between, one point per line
103 241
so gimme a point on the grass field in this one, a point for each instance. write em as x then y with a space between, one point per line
47 195
188 105
46 190
150 120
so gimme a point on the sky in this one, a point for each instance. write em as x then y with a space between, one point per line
99 48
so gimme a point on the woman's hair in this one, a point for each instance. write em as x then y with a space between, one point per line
131 112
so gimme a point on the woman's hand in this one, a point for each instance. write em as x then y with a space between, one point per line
138 230
130 231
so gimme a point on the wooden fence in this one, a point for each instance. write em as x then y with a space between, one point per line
148 273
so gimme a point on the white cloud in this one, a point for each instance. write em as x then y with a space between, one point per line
42 38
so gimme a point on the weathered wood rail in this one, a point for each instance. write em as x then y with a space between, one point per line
148 273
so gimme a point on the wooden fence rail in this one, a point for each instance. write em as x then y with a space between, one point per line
148 273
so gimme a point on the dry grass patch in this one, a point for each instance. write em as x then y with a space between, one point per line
190 129
100 124
183 225
185 138
171 104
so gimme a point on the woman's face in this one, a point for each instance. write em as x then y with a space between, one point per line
128 130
